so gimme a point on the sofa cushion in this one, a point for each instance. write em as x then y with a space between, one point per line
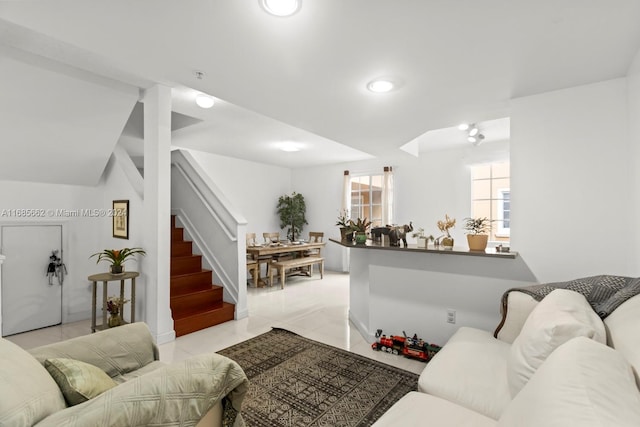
582 383
470 370
560 316
116 351
622 332
421 409
28 394
77 380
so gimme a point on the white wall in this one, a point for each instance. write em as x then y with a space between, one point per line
252 188
425 189
114 185
573 189
80 234
633 93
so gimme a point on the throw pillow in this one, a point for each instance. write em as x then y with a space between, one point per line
78 381
560 316
583 383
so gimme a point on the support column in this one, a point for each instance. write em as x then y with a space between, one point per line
157 211
2 257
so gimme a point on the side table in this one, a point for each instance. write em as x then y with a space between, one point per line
105 278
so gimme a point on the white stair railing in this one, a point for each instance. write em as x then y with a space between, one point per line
212 223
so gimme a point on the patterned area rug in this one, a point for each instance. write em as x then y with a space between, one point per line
295 381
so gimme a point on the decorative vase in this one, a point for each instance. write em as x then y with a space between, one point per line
447 242
343 233
477 242
114 320
361 237
117 269
422 242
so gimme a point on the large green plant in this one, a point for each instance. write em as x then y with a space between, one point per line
292 210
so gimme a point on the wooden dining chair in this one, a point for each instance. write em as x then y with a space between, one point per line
271 237
314 237
263 259
254 269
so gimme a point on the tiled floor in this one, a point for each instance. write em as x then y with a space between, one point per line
314 308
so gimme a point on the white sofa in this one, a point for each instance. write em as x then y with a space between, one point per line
574 380
115 378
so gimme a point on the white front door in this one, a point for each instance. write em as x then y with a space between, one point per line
31 299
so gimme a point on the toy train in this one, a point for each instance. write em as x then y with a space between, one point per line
412 347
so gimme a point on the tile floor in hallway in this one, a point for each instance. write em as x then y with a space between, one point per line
314 308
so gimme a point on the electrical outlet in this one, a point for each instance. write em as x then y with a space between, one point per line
451 315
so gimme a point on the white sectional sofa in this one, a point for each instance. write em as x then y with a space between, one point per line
552 363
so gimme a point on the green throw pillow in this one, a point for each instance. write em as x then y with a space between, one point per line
78 381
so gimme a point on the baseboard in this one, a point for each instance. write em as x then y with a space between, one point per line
165 337
241 314
360 326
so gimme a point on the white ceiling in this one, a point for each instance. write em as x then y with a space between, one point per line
303 78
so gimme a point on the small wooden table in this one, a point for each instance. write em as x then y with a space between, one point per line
105 278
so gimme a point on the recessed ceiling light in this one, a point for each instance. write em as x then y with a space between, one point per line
380 86
289 146
204 101
281 7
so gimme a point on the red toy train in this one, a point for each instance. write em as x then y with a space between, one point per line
413 347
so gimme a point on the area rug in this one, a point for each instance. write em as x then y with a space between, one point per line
295 381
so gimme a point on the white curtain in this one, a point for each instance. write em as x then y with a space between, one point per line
387 196
346 192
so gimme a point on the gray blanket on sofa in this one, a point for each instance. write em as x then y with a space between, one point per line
605 293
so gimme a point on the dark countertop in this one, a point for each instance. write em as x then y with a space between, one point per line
490 253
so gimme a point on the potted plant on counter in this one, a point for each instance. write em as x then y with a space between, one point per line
477 232
117 257
423 241
360 226
346 233
444 226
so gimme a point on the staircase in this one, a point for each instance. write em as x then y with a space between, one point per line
196 303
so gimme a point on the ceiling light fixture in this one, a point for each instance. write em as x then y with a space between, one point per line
473 133
380 86
204 101
476 140
289 146
281 7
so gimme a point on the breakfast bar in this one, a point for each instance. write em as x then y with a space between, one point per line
429 292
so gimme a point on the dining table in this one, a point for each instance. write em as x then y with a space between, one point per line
295 248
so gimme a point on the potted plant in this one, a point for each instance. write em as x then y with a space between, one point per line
117 257
114 305
444 226
292 210
346 233
477 232
423 241
360 226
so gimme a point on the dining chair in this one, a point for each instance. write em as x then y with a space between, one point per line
254 269
271 237
314 237
262 259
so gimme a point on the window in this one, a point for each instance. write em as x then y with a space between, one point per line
366 198
491 197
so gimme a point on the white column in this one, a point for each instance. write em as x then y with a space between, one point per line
157 211
2 257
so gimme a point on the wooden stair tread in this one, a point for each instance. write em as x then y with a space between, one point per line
196 303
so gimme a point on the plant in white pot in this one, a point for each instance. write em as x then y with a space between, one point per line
477 232
423 240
